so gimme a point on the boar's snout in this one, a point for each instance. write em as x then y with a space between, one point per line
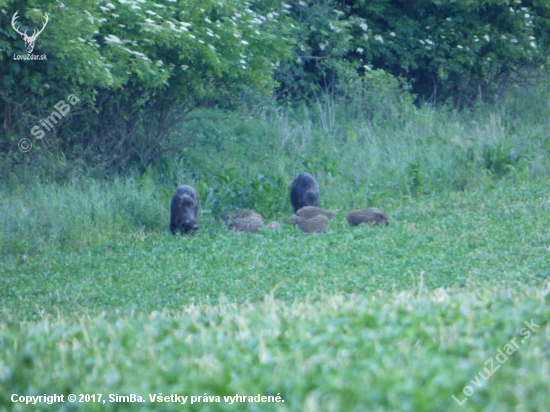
192 226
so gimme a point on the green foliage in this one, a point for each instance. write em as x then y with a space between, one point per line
138 71
117 235
458 50
421 346
98 297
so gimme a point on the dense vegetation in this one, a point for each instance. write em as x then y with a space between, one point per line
96 294
398 318
141 68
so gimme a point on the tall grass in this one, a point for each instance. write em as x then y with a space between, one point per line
363 152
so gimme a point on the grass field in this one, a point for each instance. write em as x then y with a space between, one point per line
394 318
450 300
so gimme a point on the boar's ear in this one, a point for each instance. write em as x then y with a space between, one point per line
186 200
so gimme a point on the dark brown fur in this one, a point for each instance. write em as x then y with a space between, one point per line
372 216
184 213
316 224
304 192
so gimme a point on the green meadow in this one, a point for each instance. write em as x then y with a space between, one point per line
97 297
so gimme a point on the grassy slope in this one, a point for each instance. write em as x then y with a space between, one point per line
97 296
447 238
396 318
407 351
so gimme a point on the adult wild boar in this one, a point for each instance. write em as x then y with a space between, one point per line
184 210
304 192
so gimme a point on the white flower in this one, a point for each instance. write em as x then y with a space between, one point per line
531 37
514 41
365 37
367 68
104 8
392 34
527 15
459 47
184 67
448 19
135 53
206 19
489 59
429 41
512 10
486 37
360 50
421 41
379 38
149 21
242 61
427 47
111 6
111 38
364 26
533 45
322 46
244 42
151 13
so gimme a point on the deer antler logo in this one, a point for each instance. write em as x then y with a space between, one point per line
29 40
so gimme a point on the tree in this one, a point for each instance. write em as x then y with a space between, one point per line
139 68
